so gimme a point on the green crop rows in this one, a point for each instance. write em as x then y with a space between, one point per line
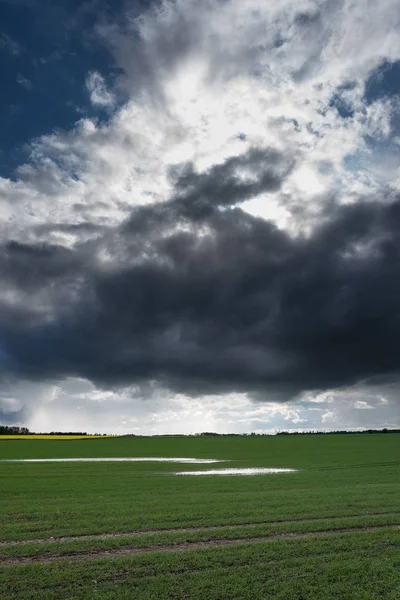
331 530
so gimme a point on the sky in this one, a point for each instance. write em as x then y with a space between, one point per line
199 215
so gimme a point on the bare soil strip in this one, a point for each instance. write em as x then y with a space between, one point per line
122 534
186 546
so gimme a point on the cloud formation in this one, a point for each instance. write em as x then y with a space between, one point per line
230 227
99 94
201 296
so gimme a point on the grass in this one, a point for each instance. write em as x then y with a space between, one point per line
364 566
304 535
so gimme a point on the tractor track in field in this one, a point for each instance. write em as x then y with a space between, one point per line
196 545
188 529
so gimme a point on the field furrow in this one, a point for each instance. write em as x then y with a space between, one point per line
189 545
173 530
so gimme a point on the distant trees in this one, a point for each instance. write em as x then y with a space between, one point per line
364 431
13 430
316 432
16 430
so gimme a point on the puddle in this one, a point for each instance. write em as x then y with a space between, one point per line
250 471
194 461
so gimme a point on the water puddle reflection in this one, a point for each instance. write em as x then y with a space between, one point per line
249 471
194 461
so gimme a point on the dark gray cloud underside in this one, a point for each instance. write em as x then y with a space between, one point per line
201 296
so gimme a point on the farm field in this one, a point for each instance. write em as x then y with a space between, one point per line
330 530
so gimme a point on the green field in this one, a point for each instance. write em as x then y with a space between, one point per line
135 530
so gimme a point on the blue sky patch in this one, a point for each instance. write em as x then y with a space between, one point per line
384 82
47 50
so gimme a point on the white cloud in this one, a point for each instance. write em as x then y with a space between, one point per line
77 405
99 94
328 416
363 405
209 95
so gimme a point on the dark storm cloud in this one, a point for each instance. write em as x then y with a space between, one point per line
201 296
84 229
38 281
11 417
198 196
34 266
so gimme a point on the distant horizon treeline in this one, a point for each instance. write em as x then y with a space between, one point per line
16 430
341 432
254 434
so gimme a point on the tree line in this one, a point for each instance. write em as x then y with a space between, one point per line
253 434
363 431
15 430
